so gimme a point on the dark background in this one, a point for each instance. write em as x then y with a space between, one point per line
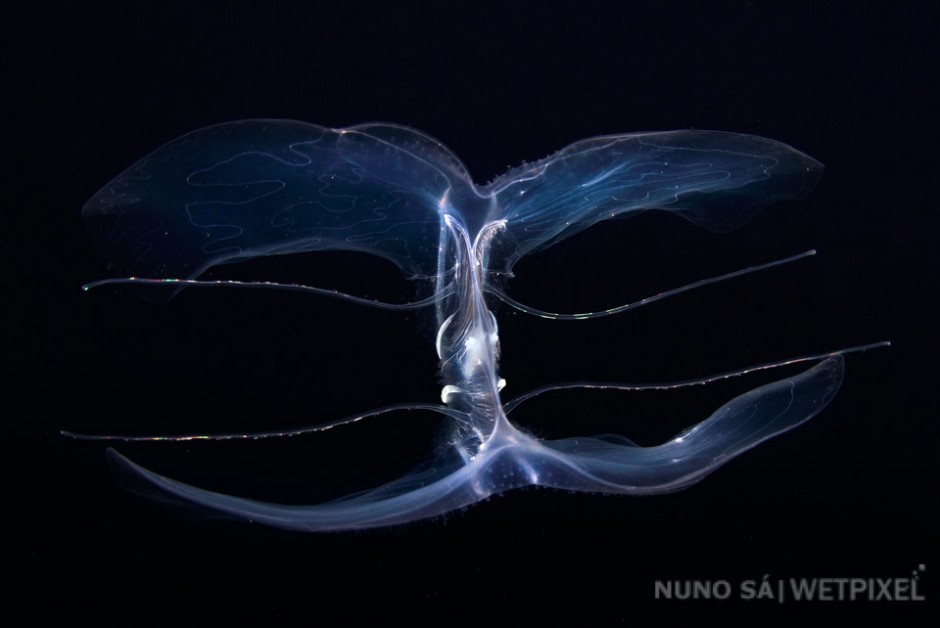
853 493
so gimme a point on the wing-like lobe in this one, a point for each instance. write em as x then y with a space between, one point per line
717 180
263 187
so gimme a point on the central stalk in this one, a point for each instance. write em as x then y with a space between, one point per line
468 336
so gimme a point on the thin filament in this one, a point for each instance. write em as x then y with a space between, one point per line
510 405
652 299
232 283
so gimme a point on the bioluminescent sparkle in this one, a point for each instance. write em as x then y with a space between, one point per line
240 190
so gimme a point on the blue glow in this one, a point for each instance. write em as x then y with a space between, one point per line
269 187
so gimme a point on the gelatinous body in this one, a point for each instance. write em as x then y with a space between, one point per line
266 187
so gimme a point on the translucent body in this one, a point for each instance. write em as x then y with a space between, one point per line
262 187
